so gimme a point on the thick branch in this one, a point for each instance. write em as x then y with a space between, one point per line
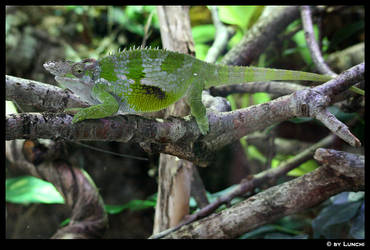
251 182
278 201
40 95
347 58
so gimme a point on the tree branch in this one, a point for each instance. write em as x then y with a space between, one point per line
260 35
88 216
314 47
279 88
288 198
251 182
170 135
43 97
312 44
222 37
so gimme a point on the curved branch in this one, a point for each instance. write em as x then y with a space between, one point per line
88 217
314 47
312 44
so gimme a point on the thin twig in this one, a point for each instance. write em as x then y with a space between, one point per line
312 44
222 37
314 47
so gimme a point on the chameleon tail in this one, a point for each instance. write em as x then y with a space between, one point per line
225 75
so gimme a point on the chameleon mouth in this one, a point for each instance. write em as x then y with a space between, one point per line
66 79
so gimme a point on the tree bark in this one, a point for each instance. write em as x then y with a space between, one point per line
174 174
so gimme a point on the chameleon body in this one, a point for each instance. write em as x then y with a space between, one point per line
147 80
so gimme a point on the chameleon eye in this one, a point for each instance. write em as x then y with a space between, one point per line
78 70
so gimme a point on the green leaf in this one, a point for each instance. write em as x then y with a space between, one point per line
298 120
356 196
300 40
133 205
10 108
340 198
257 232
235 39
285 236
259 98
201 51
242 16
29 189
274 231
254 153
232 101
203 33
304 168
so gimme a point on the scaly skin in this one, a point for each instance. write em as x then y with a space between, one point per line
147 80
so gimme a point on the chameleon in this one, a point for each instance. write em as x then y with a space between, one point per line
141 80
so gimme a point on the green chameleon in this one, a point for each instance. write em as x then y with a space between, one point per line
146 80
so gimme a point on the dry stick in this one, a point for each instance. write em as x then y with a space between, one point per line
340 173
314 47
312 44
278 88
251 182
332 88
340 160
223 35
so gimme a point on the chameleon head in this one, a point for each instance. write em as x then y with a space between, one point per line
68 68
72 76
58 68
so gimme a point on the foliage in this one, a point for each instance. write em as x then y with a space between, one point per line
29 189
133 205
348 222
302 169
241 17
